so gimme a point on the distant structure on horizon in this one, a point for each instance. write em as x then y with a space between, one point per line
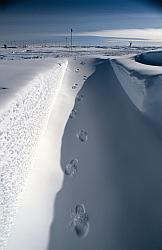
66 42
71 39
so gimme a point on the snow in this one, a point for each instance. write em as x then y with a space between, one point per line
32 232
119 171
151 58
23 116
142 83
38 52
96 108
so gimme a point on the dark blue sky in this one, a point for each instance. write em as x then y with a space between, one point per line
51 5
46 18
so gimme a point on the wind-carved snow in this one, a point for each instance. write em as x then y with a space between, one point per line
142 83
21 125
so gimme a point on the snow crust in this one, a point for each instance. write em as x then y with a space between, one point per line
142 83
22 121
46 178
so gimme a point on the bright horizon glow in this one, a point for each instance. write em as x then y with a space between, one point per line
134 26
140 34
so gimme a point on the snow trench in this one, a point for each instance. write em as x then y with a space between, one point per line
21 125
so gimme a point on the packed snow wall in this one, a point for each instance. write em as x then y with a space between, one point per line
21 124
143 84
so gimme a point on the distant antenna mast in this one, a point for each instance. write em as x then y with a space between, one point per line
71 39
66 42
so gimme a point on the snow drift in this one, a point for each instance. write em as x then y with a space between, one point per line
32 232
118 181
22 121
151 58
142 83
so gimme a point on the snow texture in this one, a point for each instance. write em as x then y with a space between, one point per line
142 83
21 124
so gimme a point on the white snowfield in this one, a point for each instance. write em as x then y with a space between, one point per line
30 123
27 92
36 212
141 79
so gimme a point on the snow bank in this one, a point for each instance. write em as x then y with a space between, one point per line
32 232
120 164
151 58
142 83
22 121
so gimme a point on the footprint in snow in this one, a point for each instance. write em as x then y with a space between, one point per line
76 70
73 113
80 98
3 88
80 221
71 168
75 86
82 135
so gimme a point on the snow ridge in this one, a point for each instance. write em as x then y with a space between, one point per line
21 125
142 84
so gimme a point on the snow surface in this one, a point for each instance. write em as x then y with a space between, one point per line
151 58
142 83
39 52
119 171
118 177
24 113
32 232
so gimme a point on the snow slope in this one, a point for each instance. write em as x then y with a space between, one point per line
119 172
142 83
151 58
27 95
32 232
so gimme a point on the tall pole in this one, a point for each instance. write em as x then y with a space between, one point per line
66 42
71 39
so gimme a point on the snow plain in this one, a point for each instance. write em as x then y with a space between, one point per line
118 177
